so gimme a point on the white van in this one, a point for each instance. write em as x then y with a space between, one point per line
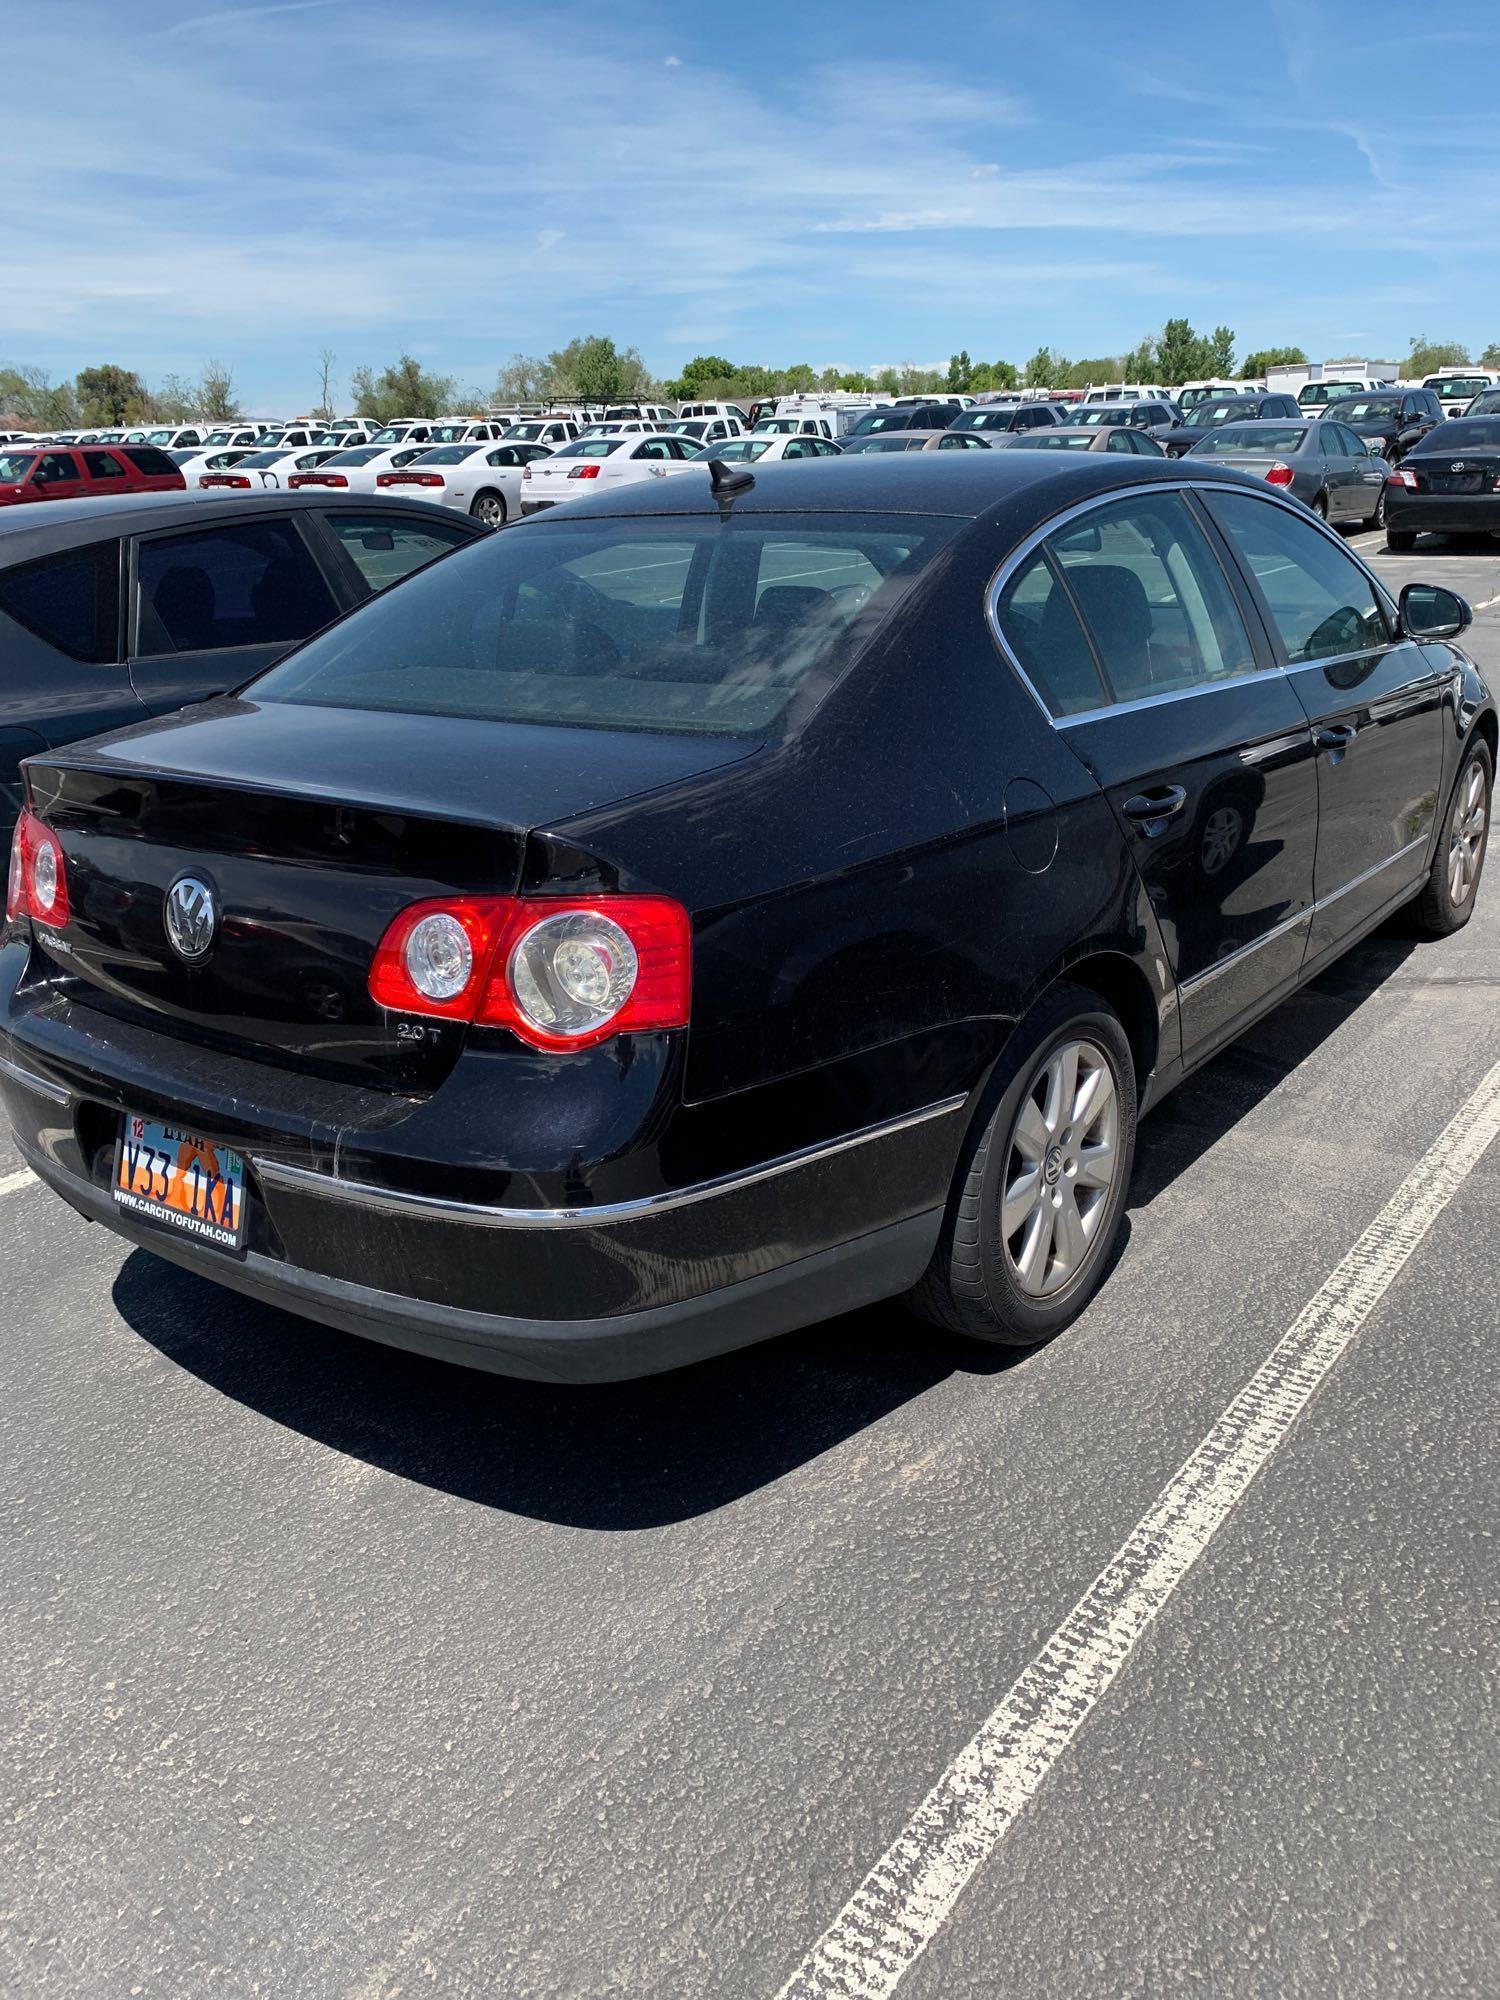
1313 397
690 412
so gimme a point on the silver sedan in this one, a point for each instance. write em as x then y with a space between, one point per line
1322 463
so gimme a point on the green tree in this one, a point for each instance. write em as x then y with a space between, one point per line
175 401
1046 369
1256 364
1106 368
1004 375
888 382
111 395
798 380
960 373
31 401
596 370
1429 355
1221 352
402 390
1491 355
524 379
1181 354
702 378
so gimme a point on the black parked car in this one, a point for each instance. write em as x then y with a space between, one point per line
729 902
1207 416
1009 417
1448 484
1396 419
904 417
112 610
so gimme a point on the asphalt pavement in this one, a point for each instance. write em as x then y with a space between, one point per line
335 1674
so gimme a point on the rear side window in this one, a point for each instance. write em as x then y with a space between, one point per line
71 600
147 459
103 465
696 625
1041 628
384 549
254 584
1321 602
1153 597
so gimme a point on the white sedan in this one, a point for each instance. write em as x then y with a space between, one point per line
603 462
761 450
356 470
482 480
265 471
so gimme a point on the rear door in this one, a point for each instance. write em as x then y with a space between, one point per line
1140 643
1368 473
1345 490
1375 701
210 606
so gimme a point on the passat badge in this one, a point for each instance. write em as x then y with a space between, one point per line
192 918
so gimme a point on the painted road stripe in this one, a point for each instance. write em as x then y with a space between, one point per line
902 1903
9 1183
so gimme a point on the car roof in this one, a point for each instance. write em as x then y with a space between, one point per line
968 484
67 524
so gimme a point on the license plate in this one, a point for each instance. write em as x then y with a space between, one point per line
182 1181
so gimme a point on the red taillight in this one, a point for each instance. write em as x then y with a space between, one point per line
584 472
317 479
1401 477
559 972
408 479
222 479
37 886
1279 475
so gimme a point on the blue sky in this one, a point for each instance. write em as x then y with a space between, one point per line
469 178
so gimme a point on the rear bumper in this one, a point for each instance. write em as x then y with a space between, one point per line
1441 513
594 1293
538 506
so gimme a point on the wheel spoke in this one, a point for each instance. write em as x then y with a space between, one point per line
1067 1087
1096 1164
1036 1251
1033 1136
1096 1097
1070 1244
1020 1199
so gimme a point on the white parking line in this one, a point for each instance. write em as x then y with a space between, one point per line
10 1183
903 1901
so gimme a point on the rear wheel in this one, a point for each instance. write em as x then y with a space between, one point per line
1377 519
1400 541
1320 506
1040 1192
1447 901
490 508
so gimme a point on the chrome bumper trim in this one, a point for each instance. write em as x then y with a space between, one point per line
330 1187
53 1092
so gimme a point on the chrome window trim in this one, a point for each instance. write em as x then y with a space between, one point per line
332 1187
995 589
1315 909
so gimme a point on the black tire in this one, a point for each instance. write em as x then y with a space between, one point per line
972 1286
489 506
1443 908
1377 519
1319 504
1400 541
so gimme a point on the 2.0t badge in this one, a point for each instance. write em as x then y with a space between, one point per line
192 918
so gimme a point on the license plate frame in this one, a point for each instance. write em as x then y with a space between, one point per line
181 1182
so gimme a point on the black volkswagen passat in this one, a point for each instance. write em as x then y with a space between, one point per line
701 911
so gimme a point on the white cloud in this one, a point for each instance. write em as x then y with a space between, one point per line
241 17
673 62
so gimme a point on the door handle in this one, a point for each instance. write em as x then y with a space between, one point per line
1161 802
1338 737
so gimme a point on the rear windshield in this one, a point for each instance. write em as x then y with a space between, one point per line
258 458
147 459
884 420
1062 437
1242 440
594 447
1456 388
448 454
1204 415
360 455
1464 434
662 623
1102 413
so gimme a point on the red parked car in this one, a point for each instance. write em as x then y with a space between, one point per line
73 472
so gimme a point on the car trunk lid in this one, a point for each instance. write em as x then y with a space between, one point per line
310 831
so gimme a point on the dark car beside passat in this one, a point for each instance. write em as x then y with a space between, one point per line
904 417
1006 419
731 901
1448 484
1395 419
115 610
1206 416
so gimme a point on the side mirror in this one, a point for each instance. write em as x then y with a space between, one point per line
1430 612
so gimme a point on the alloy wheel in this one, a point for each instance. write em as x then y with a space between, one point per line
490 509
1466 834
1063 1163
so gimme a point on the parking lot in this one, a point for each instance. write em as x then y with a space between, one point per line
337 1672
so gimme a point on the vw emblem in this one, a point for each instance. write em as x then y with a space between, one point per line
192 918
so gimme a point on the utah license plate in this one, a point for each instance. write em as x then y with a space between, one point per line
182 1181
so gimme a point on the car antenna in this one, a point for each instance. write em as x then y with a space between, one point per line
728 482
